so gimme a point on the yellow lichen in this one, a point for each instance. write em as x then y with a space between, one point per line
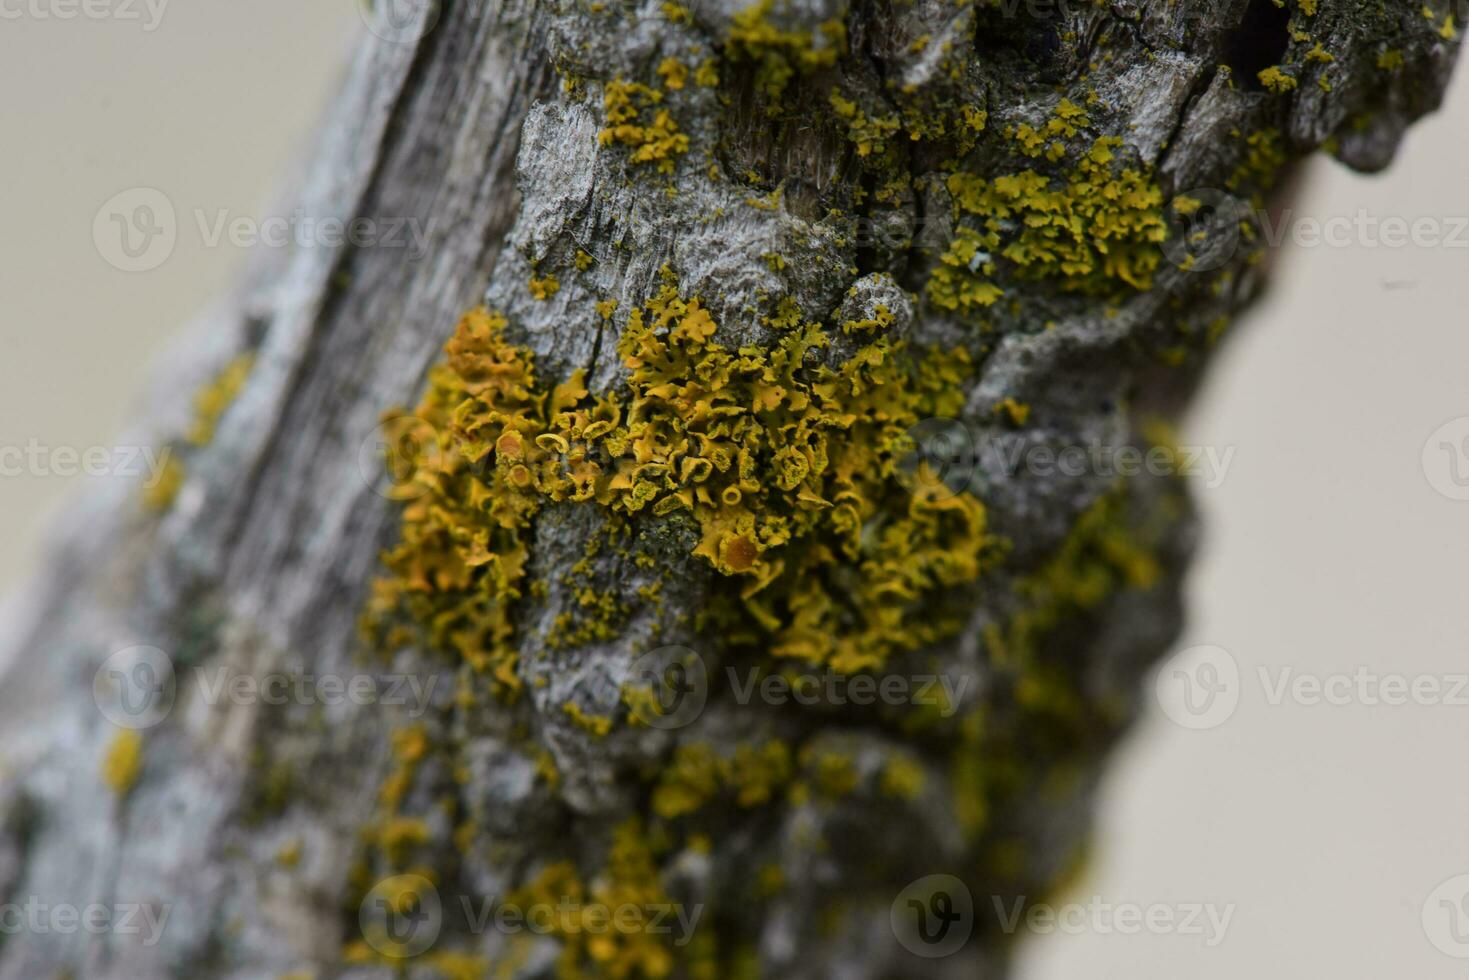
457 966
867 133
675 74
289 854
545 287
1104 555
656 140
621 946
397 836
1091 232
780 54
903 778
1016 411
123 763
786 470
211 401
595 724
696 775
160 494
707 74
1276 80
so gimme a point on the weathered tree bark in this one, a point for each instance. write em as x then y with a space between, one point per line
826 148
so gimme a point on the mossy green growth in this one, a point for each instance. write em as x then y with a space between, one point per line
751 776
1097 231
1049 722
1100 556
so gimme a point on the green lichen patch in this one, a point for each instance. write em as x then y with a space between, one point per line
1097 231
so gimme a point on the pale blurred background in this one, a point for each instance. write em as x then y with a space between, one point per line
1325 827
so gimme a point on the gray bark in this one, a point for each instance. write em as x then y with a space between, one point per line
460 121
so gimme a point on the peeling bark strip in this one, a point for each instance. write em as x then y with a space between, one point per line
706 676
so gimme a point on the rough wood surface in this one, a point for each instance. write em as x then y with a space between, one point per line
480 122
